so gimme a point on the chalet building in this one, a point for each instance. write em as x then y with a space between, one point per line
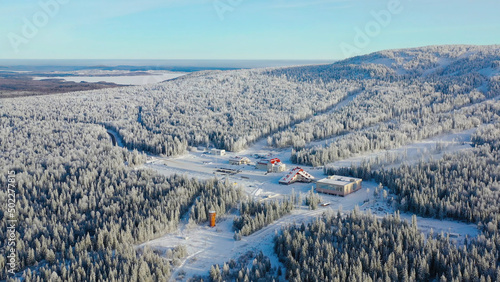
338 185
239 161
296 175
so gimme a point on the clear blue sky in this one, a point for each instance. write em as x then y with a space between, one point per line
252 29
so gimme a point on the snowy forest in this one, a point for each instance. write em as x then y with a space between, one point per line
363 248
81 208
254 216
290 106
463 185
423 93
83 205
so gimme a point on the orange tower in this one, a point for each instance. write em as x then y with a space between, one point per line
212 218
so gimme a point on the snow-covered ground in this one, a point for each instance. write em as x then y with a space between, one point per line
203 165
152 78
425 149
207 246
253 181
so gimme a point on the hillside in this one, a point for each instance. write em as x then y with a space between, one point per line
232 109
88 210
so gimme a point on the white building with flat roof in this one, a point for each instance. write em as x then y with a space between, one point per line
338 185
218 152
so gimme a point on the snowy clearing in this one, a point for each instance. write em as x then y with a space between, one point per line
425 149
154 77
207 246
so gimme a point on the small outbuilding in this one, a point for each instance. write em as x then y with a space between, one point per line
262 165
218 152
212 215
338 185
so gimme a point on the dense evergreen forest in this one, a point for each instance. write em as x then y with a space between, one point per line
292 106
80 208
229 109
239 271
363 248
419 93
219 199
255 216
404 131
83 205
464 185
